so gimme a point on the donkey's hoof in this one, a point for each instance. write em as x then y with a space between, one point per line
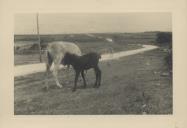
60 86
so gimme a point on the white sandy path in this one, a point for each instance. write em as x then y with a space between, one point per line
40 67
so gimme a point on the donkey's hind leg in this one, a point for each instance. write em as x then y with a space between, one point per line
48 66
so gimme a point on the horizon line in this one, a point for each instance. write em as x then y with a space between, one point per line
92 33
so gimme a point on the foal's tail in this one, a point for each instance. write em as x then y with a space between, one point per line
99 56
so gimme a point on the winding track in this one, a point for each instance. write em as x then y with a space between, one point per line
22 70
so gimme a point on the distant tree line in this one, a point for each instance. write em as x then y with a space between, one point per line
164 37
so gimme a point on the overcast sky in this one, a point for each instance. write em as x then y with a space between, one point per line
60 23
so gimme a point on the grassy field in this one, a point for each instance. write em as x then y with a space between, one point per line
138 84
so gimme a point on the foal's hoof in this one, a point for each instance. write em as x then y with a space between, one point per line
95 86
73 90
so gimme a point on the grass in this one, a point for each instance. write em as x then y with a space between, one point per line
138 84
130 85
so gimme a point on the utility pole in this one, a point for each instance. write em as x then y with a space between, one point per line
39 42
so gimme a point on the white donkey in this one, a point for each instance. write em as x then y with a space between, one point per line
55 54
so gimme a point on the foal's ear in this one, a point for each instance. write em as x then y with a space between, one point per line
67 54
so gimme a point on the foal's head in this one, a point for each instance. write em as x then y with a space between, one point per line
69 58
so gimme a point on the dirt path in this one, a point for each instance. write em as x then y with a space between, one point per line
34 68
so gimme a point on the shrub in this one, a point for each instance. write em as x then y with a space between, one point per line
168 60
165 40
164 37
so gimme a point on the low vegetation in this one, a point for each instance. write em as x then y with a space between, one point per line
132 85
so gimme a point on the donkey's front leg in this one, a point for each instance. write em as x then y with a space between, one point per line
57 61
76 78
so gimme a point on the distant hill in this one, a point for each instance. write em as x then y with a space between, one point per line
87 37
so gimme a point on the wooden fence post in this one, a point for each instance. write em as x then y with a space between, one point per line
39 41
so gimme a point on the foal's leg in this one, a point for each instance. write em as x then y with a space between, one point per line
57 62
76 78
96 75
83 77
67 74
99 77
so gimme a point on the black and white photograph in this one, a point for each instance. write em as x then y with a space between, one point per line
93 63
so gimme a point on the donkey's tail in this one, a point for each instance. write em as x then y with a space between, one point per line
49 60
